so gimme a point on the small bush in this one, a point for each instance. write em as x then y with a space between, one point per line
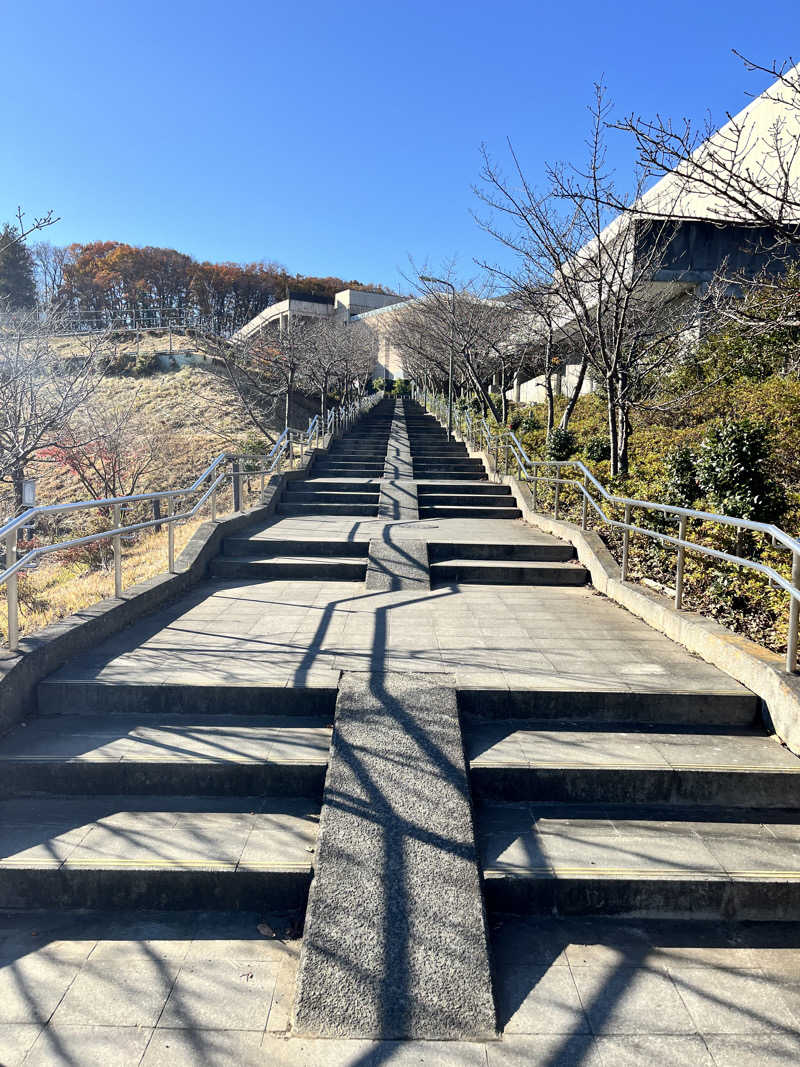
681 487
598 449
734 470
560 443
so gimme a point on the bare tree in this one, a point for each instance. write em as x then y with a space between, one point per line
747 172
624 325
48 261
109 447
468 321
25 229
40 389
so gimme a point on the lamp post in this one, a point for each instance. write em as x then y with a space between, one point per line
452 288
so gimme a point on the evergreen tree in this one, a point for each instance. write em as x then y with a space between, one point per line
17 286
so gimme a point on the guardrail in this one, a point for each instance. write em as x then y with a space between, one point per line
482 438
243 469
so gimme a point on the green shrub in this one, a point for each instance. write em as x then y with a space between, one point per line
734 471
598 449
681 487
560 443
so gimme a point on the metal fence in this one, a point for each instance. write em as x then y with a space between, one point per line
506 453
242 472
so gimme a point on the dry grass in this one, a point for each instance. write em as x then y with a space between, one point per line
197 415
57 589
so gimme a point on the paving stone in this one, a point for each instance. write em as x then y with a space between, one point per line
722 1000
539 1000
89 1046
15 1041
644 1050
764 1050
32 987
628 1000
188 1048
555 1050
113 992
220 994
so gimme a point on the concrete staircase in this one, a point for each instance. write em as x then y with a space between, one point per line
504 564
590 806
111 800
503 742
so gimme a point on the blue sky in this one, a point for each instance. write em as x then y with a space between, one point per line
335 139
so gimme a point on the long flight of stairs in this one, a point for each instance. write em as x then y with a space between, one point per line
451 484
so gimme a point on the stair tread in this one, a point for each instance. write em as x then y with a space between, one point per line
173 739
613 842
500 564
277 557
505 745
150 832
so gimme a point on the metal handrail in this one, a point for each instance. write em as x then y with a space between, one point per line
529 471
282 450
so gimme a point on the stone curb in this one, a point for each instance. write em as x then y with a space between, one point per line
48 649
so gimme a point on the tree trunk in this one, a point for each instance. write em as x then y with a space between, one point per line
17 478
289 383
551 403
624 438
576 392
613 430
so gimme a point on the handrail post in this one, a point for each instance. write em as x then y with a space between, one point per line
625 539
12 592
679 564
794 615
585 501
557 493
116 540
506 459
213 505
535 480
171 535
237 485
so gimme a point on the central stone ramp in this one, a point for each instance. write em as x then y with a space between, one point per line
395 942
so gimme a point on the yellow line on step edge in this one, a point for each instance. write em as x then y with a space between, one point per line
147 864
655 872
560 765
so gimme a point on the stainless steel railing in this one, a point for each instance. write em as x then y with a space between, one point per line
240 471
482 438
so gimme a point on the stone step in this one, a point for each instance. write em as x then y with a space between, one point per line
724 708
623 860
349 470
328 509
439 552
442 511
123 692
477 475
176 755
170 853
442 486
500 572
464 496
259 546
558 762
301 568
445 464
307 495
